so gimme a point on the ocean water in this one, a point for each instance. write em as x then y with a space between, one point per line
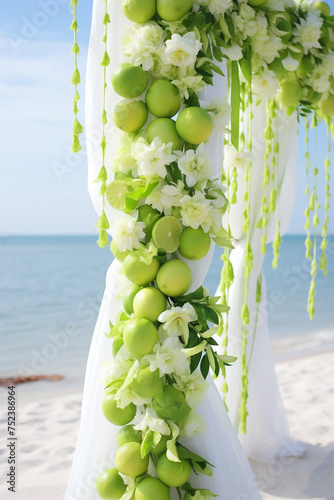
51 289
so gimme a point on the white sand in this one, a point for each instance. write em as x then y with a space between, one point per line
48 431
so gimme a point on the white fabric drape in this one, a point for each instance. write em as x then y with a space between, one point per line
267 428
97 443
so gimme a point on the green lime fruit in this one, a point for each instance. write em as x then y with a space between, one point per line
140 336
139 11
116 415
173 474
116 252
256 3
147 383
310 95
128 434
152 488
171 404
161 447
130 116
110 485
166 233
115 194
129 461
163 99
194 125
137 271
327 105
291 93
129 81
149 216
173 10
323 7
128 296
174 278
149 303
194 243
165 129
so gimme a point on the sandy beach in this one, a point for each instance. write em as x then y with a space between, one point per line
47 432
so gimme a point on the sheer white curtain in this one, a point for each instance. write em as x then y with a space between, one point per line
267 428
97 444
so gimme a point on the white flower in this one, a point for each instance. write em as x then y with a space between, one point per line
290 64
265 85
195 211
320 80
220 111
216 7
233 53
195 165
124 396
308 32
152 158
150 420
127 233
144 44
328 62
120 365
188 81
193 425
267 46
181 50
235 158
169 358
167 197
175 321
194 387
123 161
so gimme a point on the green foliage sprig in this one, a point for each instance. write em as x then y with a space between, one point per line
75 80
323 258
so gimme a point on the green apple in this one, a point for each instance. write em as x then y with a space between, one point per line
116 415
327 105
171 404
129 461
173 474
128 434
140 337
152 488
110 485
130 116
139 11
161 447
291 93
165 129
163 99
323 7
194 243
129 81
137 271
173 10
194 125
117 254
128 296
174 278
149 303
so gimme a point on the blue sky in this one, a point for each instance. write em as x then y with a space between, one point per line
36 122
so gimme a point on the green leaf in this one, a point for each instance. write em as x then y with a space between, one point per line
246 64
205 366
195 350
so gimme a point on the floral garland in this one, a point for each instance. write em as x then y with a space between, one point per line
275 50
166 199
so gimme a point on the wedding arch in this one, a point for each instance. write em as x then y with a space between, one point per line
187 107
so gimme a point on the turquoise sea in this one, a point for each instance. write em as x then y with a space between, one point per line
51 288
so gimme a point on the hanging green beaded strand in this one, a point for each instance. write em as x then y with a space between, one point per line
323 258
75 80
103 223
